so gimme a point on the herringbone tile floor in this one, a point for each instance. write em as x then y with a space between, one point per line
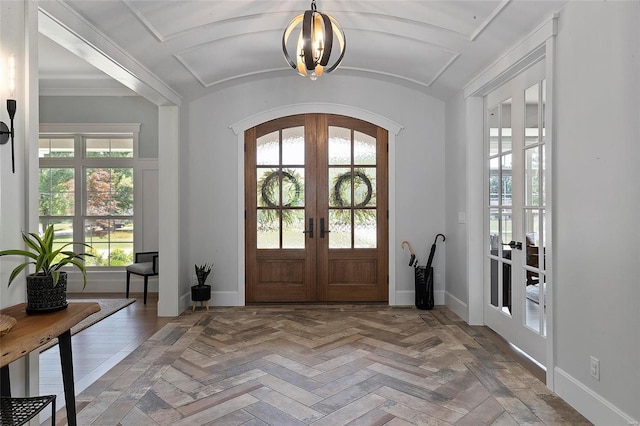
321 365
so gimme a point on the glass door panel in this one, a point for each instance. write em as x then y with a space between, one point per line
280 189
352 189
534 210
500 200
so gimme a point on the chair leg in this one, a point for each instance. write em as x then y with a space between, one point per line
128 280
146 281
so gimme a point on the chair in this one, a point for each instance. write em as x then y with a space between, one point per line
19 411
145 265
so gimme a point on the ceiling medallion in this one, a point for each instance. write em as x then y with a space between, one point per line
315 43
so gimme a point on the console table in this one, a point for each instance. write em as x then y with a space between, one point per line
33 331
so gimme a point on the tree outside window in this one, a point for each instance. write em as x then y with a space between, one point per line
87 181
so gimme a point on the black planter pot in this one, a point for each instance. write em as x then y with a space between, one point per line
200 293
43 297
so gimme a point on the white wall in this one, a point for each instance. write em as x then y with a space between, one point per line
14 187
456 177
13 198
212 215
597 205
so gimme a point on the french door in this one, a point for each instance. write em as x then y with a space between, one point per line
316 210
515 284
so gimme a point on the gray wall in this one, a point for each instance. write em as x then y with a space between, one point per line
106 109
211 211
456 180
597 199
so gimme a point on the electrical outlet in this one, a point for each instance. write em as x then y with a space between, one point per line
595 368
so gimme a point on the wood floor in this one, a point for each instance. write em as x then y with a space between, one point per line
320 365
100 347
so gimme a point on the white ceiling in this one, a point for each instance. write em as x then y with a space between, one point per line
198 46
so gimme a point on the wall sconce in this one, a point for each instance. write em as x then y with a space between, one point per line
5 131
315 43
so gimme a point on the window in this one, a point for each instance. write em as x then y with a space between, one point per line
86 184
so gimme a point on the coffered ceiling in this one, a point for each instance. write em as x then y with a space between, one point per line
198 46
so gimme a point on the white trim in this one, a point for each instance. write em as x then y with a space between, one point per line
408 297
391 228
549 185
242 280
493 15
405 298
457 306
523 54
323 108
169 210
316 107
591 405
91 128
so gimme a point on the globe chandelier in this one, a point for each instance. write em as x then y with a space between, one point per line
318 31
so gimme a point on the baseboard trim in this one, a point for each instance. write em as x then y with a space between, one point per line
218 298
456 305
224 298
591 405
408 297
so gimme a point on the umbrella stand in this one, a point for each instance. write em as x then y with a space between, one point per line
424 280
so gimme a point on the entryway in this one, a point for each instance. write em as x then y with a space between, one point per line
316 200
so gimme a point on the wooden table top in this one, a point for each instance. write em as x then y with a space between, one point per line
33 331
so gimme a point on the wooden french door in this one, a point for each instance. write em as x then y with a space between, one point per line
316 227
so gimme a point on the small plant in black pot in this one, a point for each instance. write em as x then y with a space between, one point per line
201 292
47 285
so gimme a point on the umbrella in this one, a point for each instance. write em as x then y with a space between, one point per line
412 260
424 278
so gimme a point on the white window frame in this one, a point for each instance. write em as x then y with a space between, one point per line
79 162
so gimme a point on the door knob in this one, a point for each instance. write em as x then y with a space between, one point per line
515 245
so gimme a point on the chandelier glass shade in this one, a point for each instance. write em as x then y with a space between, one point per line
317 34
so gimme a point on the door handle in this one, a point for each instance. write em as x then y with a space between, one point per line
514 244
322 230
310 230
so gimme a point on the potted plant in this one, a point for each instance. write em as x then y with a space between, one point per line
47 285
201 292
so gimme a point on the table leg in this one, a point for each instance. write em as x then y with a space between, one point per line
66 360
5 384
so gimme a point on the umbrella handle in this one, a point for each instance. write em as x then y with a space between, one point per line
410 249
439 235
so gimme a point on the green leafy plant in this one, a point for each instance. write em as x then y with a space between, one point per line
47 260
202 272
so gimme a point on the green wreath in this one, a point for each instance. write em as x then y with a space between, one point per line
345 178
270 184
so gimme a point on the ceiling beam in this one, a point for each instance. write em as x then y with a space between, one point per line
71 31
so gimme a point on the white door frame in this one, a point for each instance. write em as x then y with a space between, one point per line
322 108
539 44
